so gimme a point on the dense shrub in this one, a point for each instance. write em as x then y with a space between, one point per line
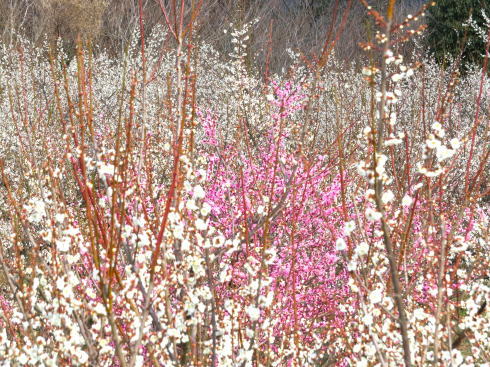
450 37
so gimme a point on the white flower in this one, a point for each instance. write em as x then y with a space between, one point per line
340 244
206 209
90 293
253 312
218 241
436 126
60 283
381 161
368 319
23 359
455 143
72 231
372 215
185 245
201 225
105 169
37 210
432 142
369 195
260 209
352 265
460 246
428 173
173 333
393 119
389 56
376 296
397 77
202 174
435 173
393 141
407 200
197 266
444 153
73 279
191 205
387 197
199 192
362 169
100 309
184 159
349 227
139 362
63 244
362 249
419 314
47 236
368 71
60 218
178 231
67 291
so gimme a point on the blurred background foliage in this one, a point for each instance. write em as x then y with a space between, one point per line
448 37
300 25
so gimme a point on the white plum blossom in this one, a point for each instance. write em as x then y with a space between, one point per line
253 312
407 200
436 126
36 209
376 296
432 142
387 197
373 215
198 192
362 249
105 169
63 244
455 143
205 209
340 244
444 153
349 227
201 225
